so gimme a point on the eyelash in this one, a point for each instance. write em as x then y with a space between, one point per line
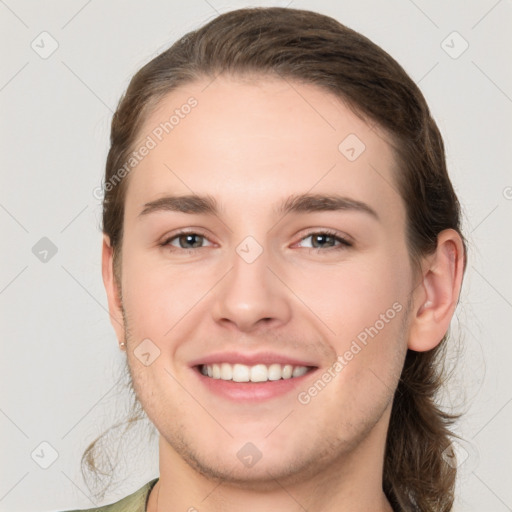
343 243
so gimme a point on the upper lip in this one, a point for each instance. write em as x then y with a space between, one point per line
266 358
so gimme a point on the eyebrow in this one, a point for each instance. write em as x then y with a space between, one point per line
302 203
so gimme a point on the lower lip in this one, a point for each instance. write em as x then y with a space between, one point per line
252 391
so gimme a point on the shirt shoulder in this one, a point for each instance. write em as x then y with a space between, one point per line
135 502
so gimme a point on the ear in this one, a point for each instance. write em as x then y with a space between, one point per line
112 289
436 297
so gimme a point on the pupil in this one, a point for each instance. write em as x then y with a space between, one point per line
322 239
189 239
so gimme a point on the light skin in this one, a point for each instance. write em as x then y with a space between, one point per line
250 145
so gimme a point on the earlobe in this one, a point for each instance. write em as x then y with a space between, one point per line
436 297
112 289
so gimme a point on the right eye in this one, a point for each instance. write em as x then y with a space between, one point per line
186 240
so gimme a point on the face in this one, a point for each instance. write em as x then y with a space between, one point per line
289 269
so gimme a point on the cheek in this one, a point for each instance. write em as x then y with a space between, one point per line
157 295
352 296
365 305
372 327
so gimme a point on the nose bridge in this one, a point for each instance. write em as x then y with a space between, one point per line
250 292
249 274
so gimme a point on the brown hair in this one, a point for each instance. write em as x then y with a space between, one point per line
312 48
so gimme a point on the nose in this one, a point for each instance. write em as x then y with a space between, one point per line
251 296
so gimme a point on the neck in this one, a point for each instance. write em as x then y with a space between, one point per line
352 483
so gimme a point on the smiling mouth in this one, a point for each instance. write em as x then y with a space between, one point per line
256 373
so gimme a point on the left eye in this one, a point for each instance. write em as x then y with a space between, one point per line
329 240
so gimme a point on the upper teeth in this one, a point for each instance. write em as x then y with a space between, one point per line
256 373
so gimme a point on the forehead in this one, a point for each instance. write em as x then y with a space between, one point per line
265 138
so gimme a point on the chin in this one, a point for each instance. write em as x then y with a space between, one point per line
255 466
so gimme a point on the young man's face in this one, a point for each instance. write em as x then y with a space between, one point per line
256 284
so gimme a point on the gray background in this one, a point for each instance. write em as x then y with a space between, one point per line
60 360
